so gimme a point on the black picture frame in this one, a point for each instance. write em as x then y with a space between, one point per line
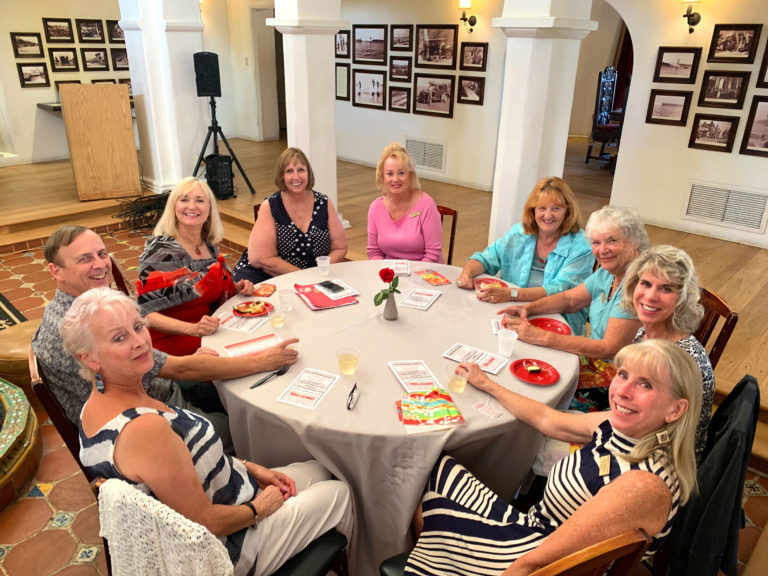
130 86
119 58
677 64
369 88
762 76
103 81
400 99
401 38
94 59
341 44
754 142
33 74
342 81
723 89
474 56
90 31
471 90
436 46
369 44
734 43
400 68
669 107
433 94
708 132
63 59
27 44
115 33
58 30
59 83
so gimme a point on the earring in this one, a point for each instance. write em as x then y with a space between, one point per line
99 383
662 436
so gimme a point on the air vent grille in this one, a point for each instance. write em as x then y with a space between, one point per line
430 155
742 209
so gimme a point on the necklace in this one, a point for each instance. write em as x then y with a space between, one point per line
197 249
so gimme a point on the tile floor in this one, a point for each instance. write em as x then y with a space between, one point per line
54 528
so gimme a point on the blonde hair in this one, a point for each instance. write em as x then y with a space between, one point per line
213 230
396 151
557 191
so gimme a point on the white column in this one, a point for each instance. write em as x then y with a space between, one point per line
161 36
308 28
543 40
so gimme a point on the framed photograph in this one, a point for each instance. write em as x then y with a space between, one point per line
33 75
60 82
370 44
90 31
712 132
342 44
130 86
755 139
436 46
342 81
400 68
762 77
58 30
27 44
104 81
399 99
677 65
369 87
63 59
401 37
94 59
433 94
668 107
119 58
735 43
474 56
115 33
471 90
721 89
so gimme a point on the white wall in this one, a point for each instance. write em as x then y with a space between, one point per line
655 165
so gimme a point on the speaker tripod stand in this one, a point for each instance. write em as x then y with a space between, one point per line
215 130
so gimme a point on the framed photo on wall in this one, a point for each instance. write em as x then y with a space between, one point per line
342 44
27 44
762 77
400 68
474 56
115 33
668 107
736 43
369 88
471 90
755 139
713 132
723 89
677 65
63 59
33 75
128 82
60 82
104 81
401 37
436 46
94 59
342 81
119 58
370 44
433 95
90 31
58 30
399 99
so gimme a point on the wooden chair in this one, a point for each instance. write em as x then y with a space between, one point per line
604 130
119 278
715 308
445 211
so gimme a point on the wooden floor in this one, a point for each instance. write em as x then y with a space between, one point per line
36 198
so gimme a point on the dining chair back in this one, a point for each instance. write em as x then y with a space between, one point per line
119 278
454 214
604 129
715 309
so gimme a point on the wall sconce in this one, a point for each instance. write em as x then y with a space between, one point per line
469 21
692 17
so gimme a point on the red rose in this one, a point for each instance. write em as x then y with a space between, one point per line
387 274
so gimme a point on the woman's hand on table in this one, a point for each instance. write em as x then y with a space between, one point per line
495 294
526 332
465 281
245 287
513 312
279 355
206 326
206 351
475 376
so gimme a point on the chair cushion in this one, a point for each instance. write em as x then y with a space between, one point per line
394 566
317 558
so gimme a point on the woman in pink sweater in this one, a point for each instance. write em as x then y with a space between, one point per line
404 222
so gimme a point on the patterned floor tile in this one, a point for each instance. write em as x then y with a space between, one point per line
61 519
86 554
4 552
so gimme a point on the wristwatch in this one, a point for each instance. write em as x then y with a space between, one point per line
513 293
253 509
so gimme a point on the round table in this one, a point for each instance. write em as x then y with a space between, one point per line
367 446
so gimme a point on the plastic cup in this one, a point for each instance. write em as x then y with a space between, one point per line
277 318
323 265
347 359
507 339
286 299
456 382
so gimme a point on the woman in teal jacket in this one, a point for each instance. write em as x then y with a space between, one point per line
545 254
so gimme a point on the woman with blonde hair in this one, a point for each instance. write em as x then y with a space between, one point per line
403 223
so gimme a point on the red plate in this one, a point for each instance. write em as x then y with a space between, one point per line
267 309
546 377
484 281
551 325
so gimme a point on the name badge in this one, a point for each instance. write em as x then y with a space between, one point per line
604 466
414 214
602 297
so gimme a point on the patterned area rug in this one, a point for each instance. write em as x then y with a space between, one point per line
9 316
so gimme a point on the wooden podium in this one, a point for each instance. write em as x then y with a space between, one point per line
99 126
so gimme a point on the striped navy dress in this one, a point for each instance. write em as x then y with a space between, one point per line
224 479
470 530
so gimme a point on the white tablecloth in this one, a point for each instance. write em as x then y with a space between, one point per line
367 447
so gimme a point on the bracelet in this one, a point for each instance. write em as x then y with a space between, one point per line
253 509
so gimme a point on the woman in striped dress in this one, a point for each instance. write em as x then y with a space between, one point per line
637 466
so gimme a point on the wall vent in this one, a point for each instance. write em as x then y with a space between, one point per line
726 206
429 155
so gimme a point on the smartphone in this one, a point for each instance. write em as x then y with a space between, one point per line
331 286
